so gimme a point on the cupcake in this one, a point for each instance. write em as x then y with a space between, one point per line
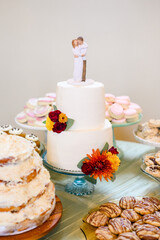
33 138
17 132
35 147
5 128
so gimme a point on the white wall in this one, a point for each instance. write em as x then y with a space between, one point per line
35 49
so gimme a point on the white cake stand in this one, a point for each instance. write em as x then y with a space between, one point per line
146 142
79 186
33 128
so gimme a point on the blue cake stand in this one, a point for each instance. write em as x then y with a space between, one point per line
79 186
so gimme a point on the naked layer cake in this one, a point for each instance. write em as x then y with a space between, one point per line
27 196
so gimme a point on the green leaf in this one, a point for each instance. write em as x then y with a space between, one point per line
69 123
79 165
114 177
44 122
54 107
106 146
90 179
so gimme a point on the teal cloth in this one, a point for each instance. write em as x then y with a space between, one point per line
130 180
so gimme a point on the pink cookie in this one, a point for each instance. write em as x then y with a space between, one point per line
127 98
40 119
31 122
136 107
107 115
118 121
39 122
45 101
32 103
116 111
30 114
42 111
123 103
21 117
131 115
110 97
51 95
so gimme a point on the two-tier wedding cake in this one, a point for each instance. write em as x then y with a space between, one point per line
85 103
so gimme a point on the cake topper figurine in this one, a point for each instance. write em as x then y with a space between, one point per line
79 50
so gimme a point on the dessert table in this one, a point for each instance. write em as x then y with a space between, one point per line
130 180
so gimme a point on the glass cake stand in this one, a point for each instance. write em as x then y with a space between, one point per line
115 125
79 186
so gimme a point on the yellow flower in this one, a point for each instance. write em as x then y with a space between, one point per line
49 124
62 118
114 159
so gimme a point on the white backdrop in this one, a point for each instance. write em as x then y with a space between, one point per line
35 49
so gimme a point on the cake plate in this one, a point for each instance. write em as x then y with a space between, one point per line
26 126
79 186
115 125
44 229
147 142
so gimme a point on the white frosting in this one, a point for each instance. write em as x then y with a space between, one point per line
2 133
31 211
21 193
85 104
15 172
33 144
15 146
5 127
66 149
32 137
16 131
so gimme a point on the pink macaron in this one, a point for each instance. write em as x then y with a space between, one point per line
131 115
123 103
21 117
136 107
108 104
116 111
118 121
107 115
110 97
127 98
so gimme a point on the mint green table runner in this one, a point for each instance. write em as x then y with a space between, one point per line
130 180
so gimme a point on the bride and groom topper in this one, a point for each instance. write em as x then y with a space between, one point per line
79 49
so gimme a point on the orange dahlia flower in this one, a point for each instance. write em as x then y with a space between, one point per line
100 164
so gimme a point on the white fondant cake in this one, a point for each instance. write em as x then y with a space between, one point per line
86 105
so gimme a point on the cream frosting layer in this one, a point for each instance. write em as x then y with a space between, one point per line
15 147
31 215
85 104
21 193
15 172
